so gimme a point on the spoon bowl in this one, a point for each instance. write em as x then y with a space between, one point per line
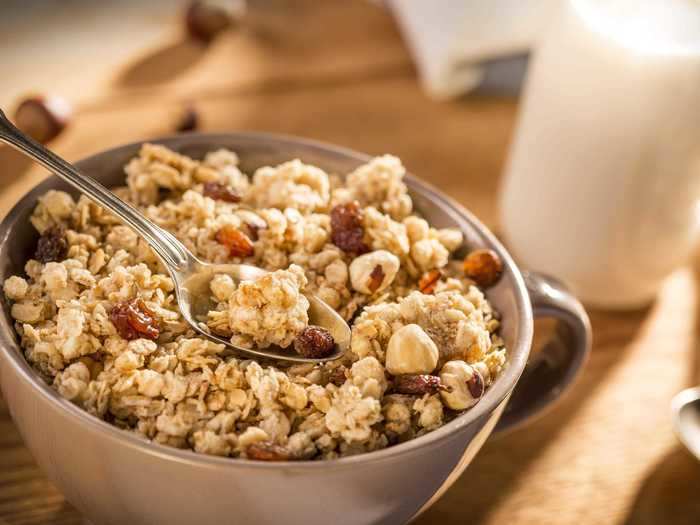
685 409
194 299
191 276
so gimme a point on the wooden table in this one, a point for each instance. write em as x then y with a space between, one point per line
338 71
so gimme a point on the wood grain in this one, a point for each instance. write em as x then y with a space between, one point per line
337 71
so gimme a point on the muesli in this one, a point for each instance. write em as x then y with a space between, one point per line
97 315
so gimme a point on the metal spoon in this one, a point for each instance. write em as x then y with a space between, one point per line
191 276
685 410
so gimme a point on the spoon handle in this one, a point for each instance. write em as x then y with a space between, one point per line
172 251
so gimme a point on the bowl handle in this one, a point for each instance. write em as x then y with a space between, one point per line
553 369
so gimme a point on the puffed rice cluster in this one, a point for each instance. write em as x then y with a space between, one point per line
186 392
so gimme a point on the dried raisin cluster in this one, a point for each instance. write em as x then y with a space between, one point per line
134 320
347 232
314 342
52 245
418 384
268 451
221 192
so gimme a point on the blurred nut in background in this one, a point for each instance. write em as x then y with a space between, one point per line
188 120
484 267
43 117
205 19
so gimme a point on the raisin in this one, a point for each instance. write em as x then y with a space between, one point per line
236 241
52 245
429 281
484 267
133 320
268 451
314 342
476 385
218 191
347 232
376 278
418 384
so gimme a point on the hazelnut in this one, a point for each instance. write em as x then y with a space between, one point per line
205 19
483 369
484 267
43 118
366 278
411 351
464 383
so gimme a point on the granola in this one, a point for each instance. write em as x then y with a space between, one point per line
97 315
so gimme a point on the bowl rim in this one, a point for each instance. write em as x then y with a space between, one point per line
13 356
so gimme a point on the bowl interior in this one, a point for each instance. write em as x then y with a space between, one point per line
18 240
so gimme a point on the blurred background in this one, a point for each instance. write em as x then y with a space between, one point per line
439 85
334 71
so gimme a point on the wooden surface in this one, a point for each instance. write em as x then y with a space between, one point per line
338 71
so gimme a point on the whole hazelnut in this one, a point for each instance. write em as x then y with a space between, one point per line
411 351
43 117
188 120
205 19
464 385
484 267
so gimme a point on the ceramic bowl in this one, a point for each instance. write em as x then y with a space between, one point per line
115 477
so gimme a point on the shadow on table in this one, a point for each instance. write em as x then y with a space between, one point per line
669 493
162 65
497 468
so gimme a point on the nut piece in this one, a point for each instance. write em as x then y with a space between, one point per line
206 19
411 351
429 281
347 232
484 267
218 191
418 384
238 243
43 118
253 223
188 121
133 320
314 342
267 451
465 384
52 245
338 376
365 277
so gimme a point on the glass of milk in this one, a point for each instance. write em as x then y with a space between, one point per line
603 180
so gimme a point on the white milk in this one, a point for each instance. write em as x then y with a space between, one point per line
602 185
